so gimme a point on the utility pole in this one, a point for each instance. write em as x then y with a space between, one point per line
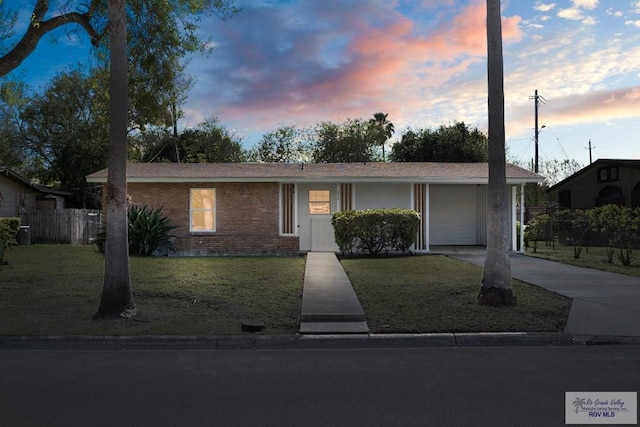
537 100
590 156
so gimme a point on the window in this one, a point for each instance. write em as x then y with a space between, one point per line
610 195
635 196
319 202
564 199
202 211
608 174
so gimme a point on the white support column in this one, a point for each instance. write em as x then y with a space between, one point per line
514 217
296 225
427 218
522 248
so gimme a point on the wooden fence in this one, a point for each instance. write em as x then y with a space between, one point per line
68 226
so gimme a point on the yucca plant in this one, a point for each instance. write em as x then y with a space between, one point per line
148 230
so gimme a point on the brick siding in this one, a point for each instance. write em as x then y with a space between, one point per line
246 217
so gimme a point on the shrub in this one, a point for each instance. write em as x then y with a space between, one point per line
376 230
576 224
607 223
621 227
343 230
534 229
9 228
148 231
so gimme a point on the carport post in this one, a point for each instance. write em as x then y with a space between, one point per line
514 216
522 248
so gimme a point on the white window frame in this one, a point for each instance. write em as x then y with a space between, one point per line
192 210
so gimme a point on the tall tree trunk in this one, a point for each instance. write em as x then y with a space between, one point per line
116 289
496 276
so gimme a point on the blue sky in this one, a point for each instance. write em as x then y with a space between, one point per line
423 62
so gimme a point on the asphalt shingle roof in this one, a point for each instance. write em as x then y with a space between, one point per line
256 172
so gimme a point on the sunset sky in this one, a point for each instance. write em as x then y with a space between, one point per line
423 62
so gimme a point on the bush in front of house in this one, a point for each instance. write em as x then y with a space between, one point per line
149 230
375 230
9 228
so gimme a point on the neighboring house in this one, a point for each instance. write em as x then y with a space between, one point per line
605 181
19 195
286 208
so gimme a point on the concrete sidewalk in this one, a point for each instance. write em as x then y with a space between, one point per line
329 304
603 303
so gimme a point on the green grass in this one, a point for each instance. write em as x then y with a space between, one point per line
591 257
49 289
55 290
438 294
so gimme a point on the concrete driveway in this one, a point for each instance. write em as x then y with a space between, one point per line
603 303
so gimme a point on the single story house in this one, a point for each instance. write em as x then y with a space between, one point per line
19 194
286 208
605 181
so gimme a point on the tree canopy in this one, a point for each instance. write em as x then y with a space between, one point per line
64 134
352 141
286 144
160 35
456 143
208 142
158 30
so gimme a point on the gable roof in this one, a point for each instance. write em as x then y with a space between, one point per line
318 172
15 176
634 164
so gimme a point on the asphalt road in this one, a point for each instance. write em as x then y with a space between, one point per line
451 386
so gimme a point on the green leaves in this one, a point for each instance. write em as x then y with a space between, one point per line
348 142
452 143
375 230
148 231
576 223
621 226
9 227
534 230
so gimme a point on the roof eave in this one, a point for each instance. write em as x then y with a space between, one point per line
405 180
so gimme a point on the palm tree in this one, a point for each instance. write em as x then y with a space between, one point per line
116 289
496 276
384 127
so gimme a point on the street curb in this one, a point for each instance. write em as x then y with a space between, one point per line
293 342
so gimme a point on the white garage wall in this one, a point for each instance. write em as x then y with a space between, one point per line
453 215
379 196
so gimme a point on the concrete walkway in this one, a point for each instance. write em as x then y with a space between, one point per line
603 303
329 304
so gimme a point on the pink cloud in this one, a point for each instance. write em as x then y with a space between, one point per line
599 106
366 58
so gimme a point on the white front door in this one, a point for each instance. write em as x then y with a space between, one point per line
322 236
316 204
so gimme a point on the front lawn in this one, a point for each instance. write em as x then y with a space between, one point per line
590 257
438 294
55 290
49 290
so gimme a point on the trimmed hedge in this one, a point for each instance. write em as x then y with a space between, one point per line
9 228
375 230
